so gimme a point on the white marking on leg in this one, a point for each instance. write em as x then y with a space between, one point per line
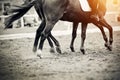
38 53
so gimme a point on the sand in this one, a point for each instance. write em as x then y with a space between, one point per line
18 62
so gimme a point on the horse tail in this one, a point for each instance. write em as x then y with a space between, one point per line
20 11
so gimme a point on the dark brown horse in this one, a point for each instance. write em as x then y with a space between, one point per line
51 11
69 10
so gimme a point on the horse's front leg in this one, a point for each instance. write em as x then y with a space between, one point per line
74 34
83 36
51 45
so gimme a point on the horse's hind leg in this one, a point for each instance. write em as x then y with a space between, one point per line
103 33
104 23
83 36
74 34
51 45
38 34
58 49
45 33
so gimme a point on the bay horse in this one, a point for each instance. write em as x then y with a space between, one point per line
52 11
55 10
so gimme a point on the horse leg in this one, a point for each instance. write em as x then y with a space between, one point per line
38 34
83 36
105 24
74 33
56 43
44 35
103 33
51 45
51 13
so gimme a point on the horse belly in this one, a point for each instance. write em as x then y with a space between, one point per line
70 17
72 12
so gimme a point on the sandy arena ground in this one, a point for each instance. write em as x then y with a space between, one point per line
18 62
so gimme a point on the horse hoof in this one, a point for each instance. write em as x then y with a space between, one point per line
83 51
72 49
106 45
39 53
58 50
34 49
109 48
52 50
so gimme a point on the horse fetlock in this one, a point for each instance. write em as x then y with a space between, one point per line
111 41
106 39
106 44
82 50
72 48
110 47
